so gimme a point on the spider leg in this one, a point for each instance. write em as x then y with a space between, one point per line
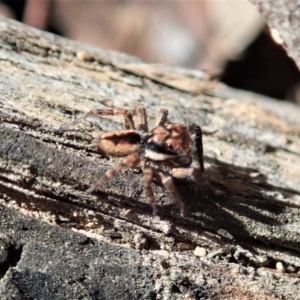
131 161
196 132
161 118
168 182
191 173
128 120
140 111
148 175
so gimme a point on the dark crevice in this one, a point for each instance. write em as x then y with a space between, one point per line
175 289
264 68
12 258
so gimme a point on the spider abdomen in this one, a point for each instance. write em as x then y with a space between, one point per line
119 143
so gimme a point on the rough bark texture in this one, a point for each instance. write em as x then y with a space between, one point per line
240 237
283 15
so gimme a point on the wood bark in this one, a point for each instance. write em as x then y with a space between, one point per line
240 236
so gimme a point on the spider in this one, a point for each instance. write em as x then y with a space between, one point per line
163 153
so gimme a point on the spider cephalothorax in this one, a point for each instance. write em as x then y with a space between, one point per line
163 153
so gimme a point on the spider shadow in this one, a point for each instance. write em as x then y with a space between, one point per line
232 198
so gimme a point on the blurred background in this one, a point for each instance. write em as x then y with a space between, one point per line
226 37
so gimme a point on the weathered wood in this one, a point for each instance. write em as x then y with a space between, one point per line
246 220
284 16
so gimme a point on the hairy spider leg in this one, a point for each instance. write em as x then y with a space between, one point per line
132 160
189 172
196 132
140 112
169 184
128 120
148 175
161 118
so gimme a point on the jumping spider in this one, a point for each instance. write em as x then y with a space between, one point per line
163 153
